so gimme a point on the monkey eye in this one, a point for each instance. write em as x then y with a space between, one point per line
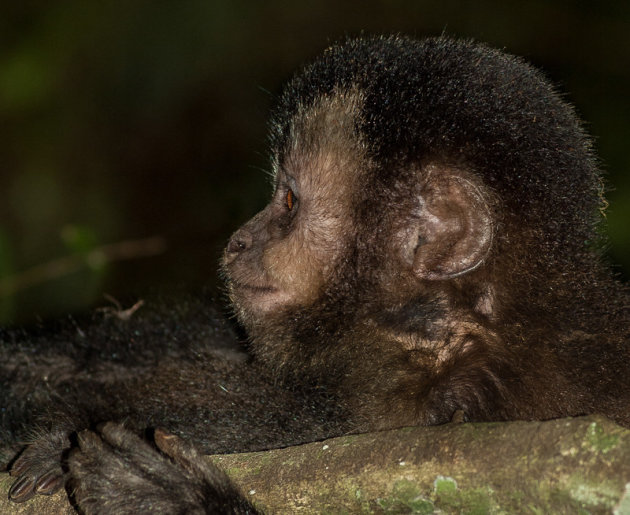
290 199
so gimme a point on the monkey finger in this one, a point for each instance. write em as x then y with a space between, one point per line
181 451
23 489
88 440
38 469
19 465
119 436
50 482
28 485
116 444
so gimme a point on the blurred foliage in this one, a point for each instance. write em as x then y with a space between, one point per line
126 119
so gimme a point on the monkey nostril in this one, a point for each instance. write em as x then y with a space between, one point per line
236 246
239 242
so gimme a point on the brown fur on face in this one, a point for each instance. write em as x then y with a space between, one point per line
291 253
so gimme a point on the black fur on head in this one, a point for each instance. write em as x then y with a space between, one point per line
470 105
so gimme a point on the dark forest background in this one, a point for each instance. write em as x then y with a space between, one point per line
124 120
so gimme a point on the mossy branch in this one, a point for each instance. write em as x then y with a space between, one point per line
560 466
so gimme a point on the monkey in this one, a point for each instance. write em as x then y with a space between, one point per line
431 251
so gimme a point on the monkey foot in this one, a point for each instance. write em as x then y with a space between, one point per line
38 470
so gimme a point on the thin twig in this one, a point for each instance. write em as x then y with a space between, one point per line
98 257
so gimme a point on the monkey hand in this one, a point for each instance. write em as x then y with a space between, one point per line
114 471
38 470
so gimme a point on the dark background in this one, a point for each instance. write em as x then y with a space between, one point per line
126 119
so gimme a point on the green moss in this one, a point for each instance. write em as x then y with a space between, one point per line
601 441
451 498
444 485
477 502
446 493
623 506
588 494
348 440
406 498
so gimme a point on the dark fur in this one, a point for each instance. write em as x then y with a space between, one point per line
174 364
537 328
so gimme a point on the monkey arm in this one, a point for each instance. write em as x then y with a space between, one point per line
183 371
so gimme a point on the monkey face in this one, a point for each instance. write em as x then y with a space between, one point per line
283 255
286 255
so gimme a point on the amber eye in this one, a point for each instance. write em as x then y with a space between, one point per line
290 199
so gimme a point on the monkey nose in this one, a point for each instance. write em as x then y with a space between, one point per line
241 240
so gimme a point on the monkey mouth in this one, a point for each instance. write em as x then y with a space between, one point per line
252 288
254 297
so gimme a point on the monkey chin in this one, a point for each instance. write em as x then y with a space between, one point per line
258 300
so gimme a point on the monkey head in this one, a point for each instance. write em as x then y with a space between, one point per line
312 240
422 193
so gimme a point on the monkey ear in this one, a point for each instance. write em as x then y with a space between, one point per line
454 226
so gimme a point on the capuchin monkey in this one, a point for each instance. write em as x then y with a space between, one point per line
432 247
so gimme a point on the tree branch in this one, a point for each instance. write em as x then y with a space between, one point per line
563 465
98 257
